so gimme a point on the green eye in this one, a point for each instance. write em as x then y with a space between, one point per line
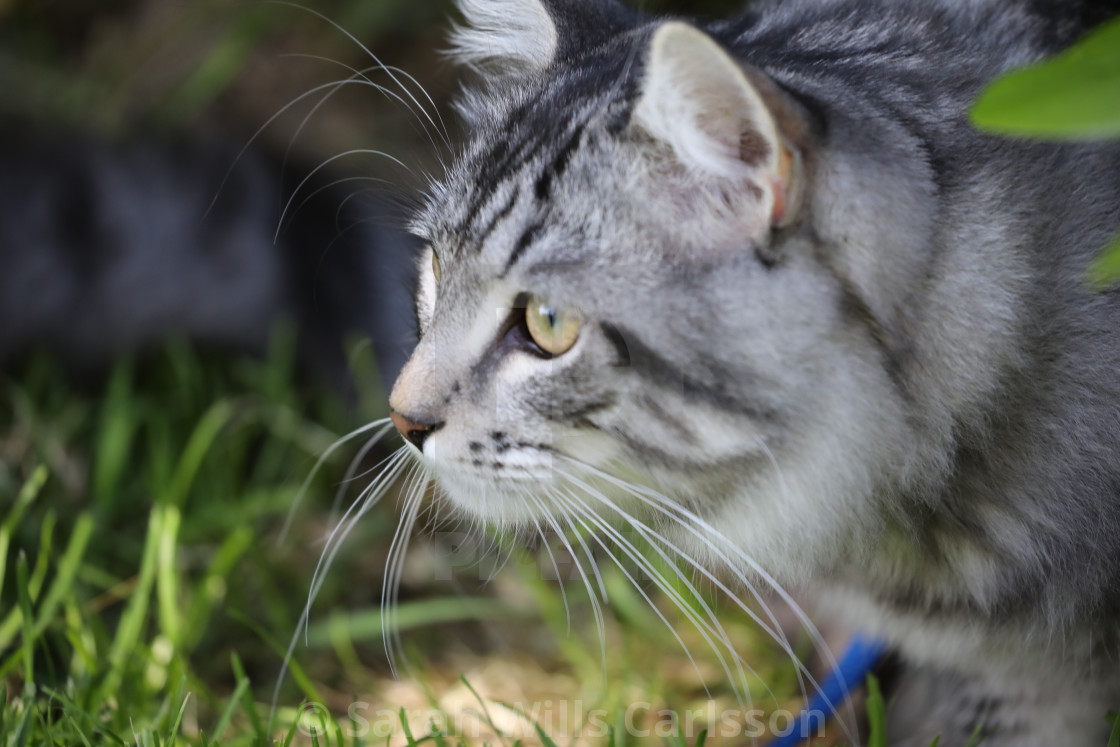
554 331
435 266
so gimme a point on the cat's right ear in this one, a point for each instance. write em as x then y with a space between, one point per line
700 102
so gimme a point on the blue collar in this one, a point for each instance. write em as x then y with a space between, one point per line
860 658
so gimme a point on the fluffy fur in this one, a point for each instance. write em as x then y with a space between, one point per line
902 395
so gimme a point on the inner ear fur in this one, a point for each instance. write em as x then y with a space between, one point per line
722 118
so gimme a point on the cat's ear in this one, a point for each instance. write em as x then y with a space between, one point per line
525 36
516 35
699 101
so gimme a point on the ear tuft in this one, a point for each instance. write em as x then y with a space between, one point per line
698 100
513 35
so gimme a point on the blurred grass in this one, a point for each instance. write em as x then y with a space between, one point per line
144 597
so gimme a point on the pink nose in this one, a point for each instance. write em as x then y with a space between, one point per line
414 431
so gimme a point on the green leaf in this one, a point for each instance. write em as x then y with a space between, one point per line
1105 270
1074 95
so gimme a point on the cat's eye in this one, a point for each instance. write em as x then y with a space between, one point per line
552 330
435 266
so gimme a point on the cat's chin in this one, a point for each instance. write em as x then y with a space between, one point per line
509 501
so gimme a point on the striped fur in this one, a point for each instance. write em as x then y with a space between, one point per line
903 397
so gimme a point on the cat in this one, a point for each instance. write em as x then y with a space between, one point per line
757 286
110 248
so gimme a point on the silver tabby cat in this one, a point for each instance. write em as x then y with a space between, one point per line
760 285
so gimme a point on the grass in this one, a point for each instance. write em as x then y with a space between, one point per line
144 597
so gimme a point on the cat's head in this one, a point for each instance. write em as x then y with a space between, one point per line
625 286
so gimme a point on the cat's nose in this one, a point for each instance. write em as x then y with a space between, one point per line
415 431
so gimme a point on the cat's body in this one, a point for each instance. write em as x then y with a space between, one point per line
815 308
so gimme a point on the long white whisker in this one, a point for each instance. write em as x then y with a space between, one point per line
417 483
319 464
362 76
342 205
596 607
369 496
540 511
708 628
320 167
349 476
693 523
268 123
711 625
390 71
359 508
636 557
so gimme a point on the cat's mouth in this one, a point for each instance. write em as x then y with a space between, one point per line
526 484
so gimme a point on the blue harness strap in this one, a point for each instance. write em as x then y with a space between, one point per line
860 658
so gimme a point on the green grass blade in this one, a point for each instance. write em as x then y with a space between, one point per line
173 732
302 680
68 565
95 726
201 439
131 625
259 731
977 736
876 714
213 586
14 621
26 645
118 428
485 711
231 705
167 575
22 733
366 625
27 495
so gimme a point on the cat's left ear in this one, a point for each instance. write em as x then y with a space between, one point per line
698 100
525 36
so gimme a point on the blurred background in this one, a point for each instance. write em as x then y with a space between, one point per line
203 290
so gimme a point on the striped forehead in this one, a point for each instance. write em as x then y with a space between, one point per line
497 197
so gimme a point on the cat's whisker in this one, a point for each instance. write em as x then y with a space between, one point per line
368 497
540 511
342 203
596 607
417 483
708 628
658 544
383 423
361 77
392 72
345 154
333 85
693 523
352 474
364 502
592 598
590 516
498 548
